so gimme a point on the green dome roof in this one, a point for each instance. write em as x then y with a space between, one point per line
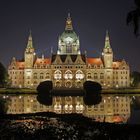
70 34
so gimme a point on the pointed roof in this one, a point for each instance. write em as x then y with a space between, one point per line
69 26
107 41
30 42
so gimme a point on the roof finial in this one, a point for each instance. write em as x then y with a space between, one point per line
69 23
107 34
30 32
69 15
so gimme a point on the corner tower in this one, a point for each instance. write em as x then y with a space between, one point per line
29 53
107 52
68 42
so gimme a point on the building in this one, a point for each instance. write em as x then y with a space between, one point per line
111 109
69 67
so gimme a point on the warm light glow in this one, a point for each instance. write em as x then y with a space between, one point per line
68 75
79 75
57 75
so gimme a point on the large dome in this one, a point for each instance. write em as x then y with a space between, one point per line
68 41
69 36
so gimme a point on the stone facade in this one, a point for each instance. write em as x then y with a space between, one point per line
110 109
69 68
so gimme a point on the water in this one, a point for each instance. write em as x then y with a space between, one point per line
112 108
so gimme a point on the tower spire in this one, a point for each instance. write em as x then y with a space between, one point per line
107 41
30 42
69 23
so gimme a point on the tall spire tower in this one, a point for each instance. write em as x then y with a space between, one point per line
107 52
29 53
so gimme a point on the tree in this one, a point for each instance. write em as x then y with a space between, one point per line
44 92
92 93
135 79
3 75
3 105
133 17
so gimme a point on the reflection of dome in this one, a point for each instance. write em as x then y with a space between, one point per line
117 119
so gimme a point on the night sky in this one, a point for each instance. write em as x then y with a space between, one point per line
47 19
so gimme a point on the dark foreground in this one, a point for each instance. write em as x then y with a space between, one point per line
49 126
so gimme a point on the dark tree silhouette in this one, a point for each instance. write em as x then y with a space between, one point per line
3 106
44 92
133 17
92 93
135 79
136 102
3 75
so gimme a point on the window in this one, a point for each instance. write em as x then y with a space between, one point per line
35 82
47 76
95 76
101 76
79 75
41 76
68 75
58 84
89 75
57 75
35 75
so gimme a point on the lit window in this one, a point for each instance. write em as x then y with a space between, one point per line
79 75
68 75
57 75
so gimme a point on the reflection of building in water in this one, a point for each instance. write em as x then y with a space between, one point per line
112 108
69 67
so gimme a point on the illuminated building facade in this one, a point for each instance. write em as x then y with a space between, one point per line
69 67
110 109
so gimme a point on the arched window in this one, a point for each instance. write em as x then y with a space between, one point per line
101 76
58 84
35 82
57 75
78 84
88 75
68 84
79 75
79 108
35 75
68 108
57 108
95 76
68 75
41 76
47 75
